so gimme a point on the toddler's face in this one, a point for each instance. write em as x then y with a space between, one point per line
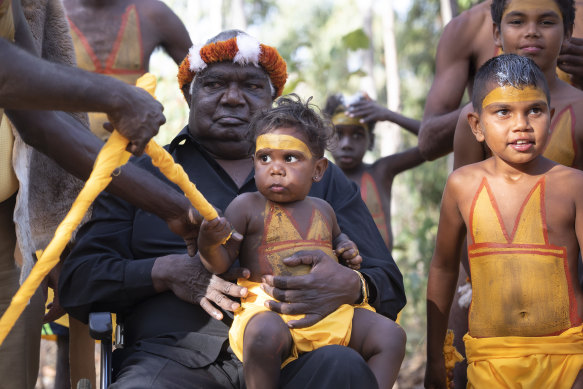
284 166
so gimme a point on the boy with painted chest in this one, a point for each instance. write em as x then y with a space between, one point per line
277 221
536 29
522 215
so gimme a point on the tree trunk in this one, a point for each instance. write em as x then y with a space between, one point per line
446 10
237 12
390 133
367 82
216 16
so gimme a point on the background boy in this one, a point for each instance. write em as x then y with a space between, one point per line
522 218
355 136
276 222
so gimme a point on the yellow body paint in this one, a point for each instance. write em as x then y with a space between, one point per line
510 94
341 118
528 5
282 142
521 283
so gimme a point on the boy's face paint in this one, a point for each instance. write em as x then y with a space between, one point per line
532 28
353 141
510 94
530 5
284 165
514 123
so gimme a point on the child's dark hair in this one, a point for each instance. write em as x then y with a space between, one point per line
507 69
567 8
336 103
290 111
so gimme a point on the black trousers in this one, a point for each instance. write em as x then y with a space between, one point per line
334 367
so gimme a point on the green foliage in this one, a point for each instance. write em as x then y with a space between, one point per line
355 40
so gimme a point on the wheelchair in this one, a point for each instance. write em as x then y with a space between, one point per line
100 328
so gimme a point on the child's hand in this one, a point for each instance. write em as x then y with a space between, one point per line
214 233
347 252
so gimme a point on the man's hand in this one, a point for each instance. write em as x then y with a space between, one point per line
187 226
138 117
317 294
188 279
369 111
571 60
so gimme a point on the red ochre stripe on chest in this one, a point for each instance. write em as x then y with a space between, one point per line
297 245
487 226
482 249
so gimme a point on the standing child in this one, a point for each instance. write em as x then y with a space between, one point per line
276 222
354 124
536 29
522 216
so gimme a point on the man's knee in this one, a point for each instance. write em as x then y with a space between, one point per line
329 367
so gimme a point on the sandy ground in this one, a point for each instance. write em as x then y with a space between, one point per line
47 368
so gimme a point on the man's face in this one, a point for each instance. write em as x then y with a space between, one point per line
353 141
224 98
532 29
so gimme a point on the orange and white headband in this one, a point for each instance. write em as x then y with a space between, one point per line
242 49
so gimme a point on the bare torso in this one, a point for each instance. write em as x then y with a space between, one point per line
522 278
274 231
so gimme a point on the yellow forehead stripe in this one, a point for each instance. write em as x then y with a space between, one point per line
282 142
510 94
342 119
528 5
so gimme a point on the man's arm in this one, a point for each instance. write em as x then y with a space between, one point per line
466 149
72 146
172 33
452 64
571 60
28 82
329 284
443 273
31 83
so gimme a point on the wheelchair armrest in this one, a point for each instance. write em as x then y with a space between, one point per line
100 325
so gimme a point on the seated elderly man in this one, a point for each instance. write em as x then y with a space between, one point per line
177 314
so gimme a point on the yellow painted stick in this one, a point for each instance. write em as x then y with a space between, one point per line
111 156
